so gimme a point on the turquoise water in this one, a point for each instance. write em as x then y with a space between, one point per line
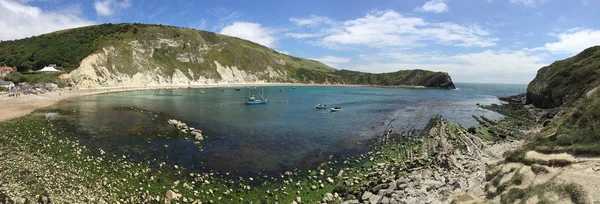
284 134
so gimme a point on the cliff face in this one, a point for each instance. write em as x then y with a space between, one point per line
565 80
111 55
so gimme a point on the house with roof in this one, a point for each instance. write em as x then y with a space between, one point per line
5 70
7 84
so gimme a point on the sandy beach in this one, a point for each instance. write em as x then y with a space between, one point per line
13 107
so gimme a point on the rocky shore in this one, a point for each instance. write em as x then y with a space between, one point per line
445 162
402 167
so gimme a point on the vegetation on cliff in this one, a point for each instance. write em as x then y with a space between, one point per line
416 77
135 48
566 80
569 87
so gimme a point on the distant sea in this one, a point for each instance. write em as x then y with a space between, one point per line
281 135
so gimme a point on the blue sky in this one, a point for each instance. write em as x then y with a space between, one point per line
483 41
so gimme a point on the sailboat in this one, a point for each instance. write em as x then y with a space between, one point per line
253 100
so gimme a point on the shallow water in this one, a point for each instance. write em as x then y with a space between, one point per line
281 135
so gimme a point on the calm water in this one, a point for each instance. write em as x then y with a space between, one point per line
271 138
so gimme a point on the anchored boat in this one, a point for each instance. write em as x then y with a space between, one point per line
319 106
251 100
336 109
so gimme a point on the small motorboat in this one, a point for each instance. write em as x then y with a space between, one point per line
336 109
319 106
237 89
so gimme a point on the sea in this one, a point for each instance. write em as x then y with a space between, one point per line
285 134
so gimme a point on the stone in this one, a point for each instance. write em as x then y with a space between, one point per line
172 195
375 199
402 180
340 173
298 199
351 202
366 196
385 200
328 198
431 184
437 176
379 187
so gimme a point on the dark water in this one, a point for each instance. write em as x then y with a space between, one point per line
271 138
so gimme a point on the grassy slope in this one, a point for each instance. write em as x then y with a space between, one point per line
577 129
68 47
566 80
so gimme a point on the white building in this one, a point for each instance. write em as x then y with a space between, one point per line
7 84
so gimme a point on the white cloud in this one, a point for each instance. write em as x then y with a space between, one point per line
304 35
529 3
391 29
20 20
506 66
435 6
283 52
332 61
251 31
110 7
312 21
574 40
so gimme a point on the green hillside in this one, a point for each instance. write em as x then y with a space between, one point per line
571 86
565 80
130 49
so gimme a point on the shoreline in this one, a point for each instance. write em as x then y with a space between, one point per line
18 107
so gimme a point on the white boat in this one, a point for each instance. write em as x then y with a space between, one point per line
336 109
319 106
